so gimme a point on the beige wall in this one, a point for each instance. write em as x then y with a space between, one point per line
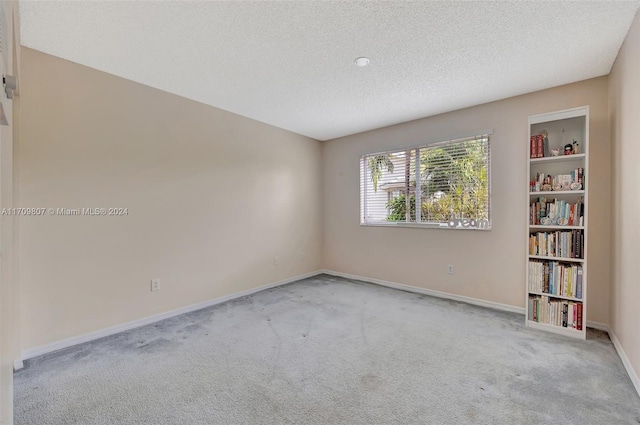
489 265
212 197
625 135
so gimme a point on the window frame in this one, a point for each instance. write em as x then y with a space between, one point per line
430 143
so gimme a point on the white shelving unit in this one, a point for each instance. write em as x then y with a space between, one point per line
562 128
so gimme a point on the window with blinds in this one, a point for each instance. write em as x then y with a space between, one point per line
449 180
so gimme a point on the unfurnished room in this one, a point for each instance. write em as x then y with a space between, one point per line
319 212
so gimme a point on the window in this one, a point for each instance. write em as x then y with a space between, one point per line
453 178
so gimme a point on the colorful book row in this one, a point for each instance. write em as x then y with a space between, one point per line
554 278
566 314
565 244
556 212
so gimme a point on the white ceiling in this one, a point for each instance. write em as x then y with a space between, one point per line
290 64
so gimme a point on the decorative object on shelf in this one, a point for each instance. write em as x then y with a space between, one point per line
568 149
555 152
545 142
561 182
575 147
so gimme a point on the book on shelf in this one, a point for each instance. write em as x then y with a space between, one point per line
579 283
579 316
555 278
533 147
561 313
564 244
540 143
546 211
546 277
537 148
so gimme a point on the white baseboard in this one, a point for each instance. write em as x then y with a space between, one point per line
18 364
65 343
439 294
599 326
625 361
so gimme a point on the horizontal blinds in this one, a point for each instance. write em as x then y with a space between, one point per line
453 180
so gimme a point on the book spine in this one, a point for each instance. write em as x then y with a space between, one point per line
540 142
570 315
579 283
571 215
546 278
531 207
533 147
581 177
579 317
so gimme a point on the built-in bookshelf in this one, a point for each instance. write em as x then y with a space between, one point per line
557 229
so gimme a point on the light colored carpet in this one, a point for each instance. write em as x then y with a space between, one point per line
327 350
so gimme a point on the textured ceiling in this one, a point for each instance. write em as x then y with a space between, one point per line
290 64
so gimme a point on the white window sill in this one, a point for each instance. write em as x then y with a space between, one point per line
442 226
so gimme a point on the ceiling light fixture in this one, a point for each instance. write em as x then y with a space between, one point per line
362 61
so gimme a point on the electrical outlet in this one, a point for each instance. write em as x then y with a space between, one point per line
275 261
450 269
301 255
155 284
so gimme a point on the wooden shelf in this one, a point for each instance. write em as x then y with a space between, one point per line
554 227
557 192
561 259
558 159
556 296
